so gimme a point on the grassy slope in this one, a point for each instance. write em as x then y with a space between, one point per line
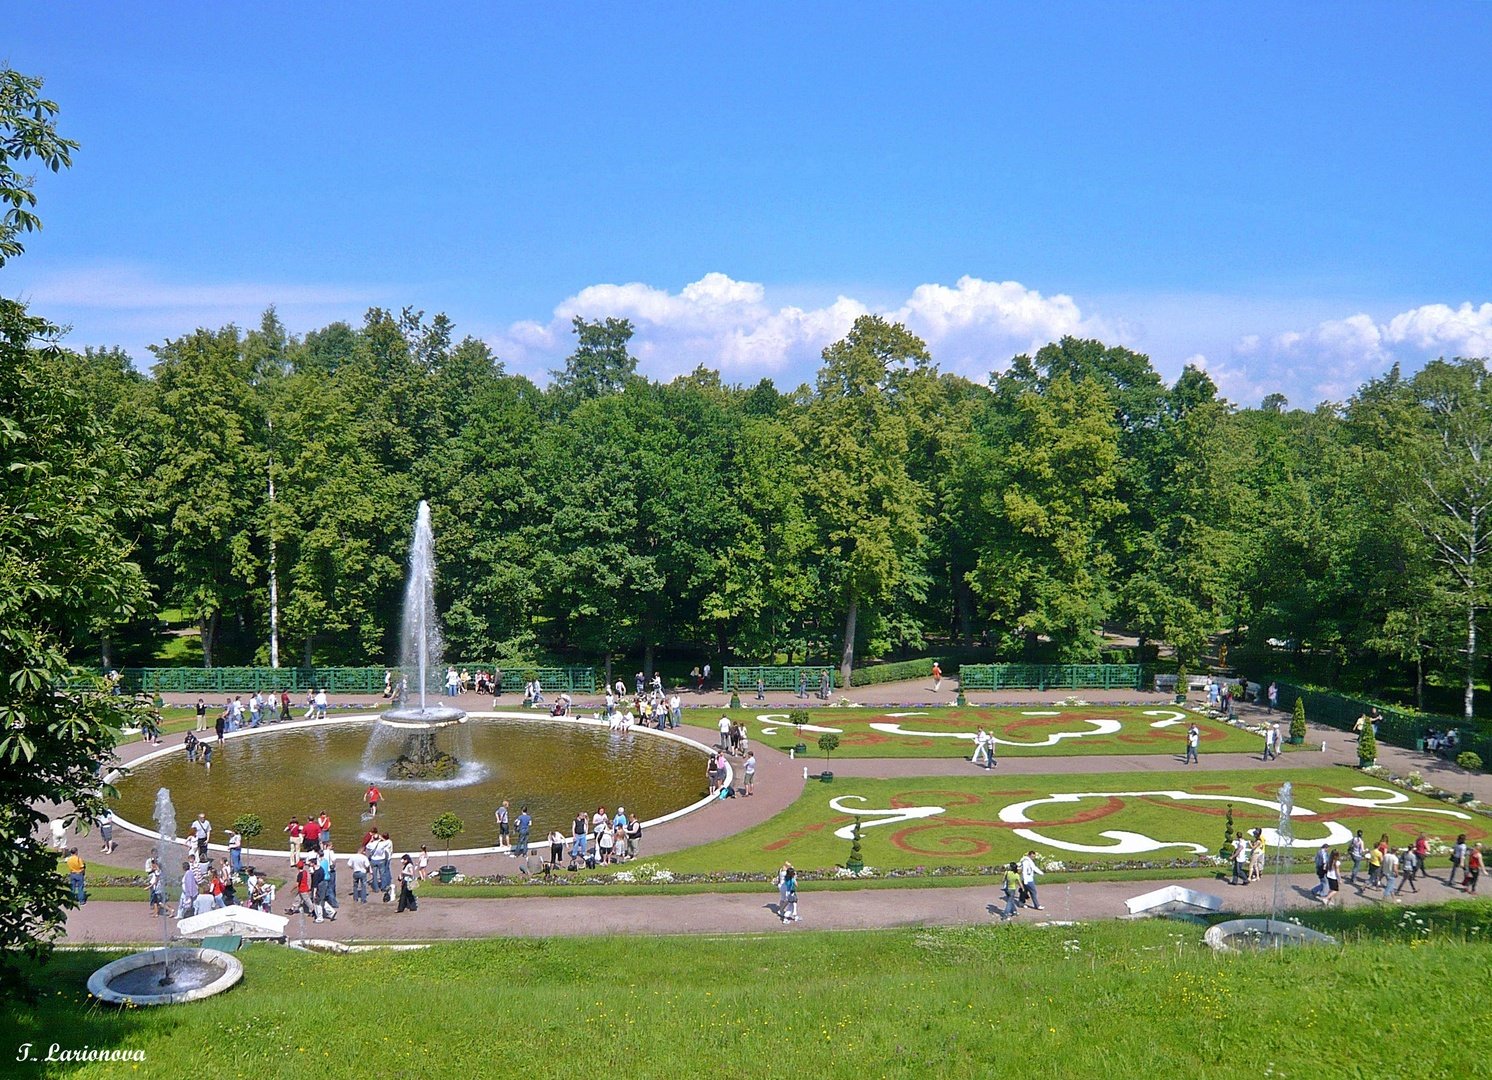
1103 1000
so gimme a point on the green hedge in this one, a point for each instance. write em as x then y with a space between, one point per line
1399 727
895 672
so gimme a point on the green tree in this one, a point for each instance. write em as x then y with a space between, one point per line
1045 566
600 364
68 506
28 132
869 513
208 477
1434 443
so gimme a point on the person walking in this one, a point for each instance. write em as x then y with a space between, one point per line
1029 870
1012 889
1389 873
106 831
1357 851
787 893
1473 869
1323 860
1458 859
1274 696
749 773
937 677
407 901
373 797
1193 740
1333 879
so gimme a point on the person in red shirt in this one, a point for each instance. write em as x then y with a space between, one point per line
302 890
324 823
311 835
372 795
293 830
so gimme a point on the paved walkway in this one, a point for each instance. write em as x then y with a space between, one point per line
779 783
712 913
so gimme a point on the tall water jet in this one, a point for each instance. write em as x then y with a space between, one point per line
166 850
415 729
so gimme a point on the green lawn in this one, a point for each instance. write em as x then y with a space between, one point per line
970 831
1103 1000
1027 731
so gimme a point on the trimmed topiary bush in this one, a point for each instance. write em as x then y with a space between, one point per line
828 743
1367 746
1298 722
1470 761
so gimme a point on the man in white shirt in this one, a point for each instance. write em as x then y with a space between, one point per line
1029 870
202 829
675 710
724 727
360 865
321 704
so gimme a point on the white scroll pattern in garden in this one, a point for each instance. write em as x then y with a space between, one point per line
1124 842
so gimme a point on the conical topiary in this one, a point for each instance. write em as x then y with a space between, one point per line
1297 722
1367 745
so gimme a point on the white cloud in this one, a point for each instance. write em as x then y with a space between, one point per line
1334 358
972 327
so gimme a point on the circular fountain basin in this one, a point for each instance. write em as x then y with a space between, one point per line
136 979
1251 935
554 767
416 718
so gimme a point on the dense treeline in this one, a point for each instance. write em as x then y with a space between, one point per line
883 507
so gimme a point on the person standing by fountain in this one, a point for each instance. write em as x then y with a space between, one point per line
153 886
524 824
293 831
502 825
372 797
407 901
202 830
359 864
188 891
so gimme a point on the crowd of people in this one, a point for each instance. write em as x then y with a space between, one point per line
1390 868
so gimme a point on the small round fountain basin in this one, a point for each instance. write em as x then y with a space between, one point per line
431 716
1250 935
136 979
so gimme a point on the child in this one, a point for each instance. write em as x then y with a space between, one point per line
424 862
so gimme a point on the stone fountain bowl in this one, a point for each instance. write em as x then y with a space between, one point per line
416 718
134 979
1238 935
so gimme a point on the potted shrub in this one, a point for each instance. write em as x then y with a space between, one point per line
855 863
1367 745
828 743
1181 678
447 827
1297 723
247 826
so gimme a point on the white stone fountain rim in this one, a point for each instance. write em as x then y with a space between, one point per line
361 718
232 971
1218 934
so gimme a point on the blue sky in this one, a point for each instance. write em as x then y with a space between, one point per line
1292 195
